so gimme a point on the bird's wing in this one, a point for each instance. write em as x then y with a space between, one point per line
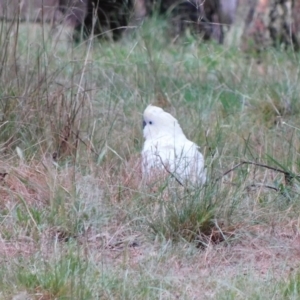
190 162
180 157
158 154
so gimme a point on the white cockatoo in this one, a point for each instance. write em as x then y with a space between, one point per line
167 148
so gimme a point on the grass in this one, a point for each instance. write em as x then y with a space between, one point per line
76 222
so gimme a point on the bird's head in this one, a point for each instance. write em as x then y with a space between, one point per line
158 124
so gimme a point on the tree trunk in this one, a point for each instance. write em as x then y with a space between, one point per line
272 22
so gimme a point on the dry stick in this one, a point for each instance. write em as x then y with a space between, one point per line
263 185
259 165
287 175
84 143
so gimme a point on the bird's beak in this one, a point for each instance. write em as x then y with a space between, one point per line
144 124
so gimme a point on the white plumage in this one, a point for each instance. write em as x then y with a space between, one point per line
167 148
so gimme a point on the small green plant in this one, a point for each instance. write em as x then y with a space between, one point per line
291 288
61 278
183 215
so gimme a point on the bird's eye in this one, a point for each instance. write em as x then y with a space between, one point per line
150 122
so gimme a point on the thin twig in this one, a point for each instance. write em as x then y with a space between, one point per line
172 174
262 185
286 173
84 143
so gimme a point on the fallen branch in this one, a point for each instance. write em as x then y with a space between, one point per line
288 176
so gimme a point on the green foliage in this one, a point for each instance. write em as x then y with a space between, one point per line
291 288
183 215
62 278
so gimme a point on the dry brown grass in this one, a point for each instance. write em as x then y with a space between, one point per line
32 182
